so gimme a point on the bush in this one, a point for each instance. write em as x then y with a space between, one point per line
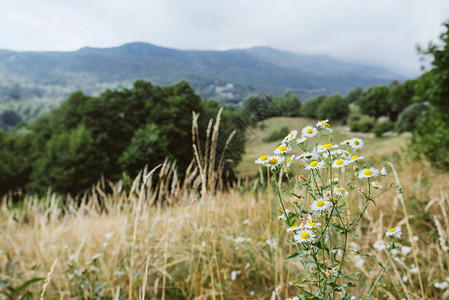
383 127
364 124
277 135
409 117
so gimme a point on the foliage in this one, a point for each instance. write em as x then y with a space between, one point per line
309 108
383 127
333 108
399 97
409 117
119 131
363 124
374 102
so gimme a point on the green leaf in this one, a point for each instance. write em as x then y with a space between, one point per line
26 284
296 255
337 227
352 232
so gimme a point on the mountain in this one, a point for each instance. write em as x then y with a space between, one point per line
34 81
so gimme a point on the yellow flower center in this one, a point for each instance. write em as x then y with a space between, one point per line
309 130
392 230
327 125
311 223
289 159
320 203
355 157
290 135
356 143
341 191
313 163
305 235
264 157
293 227
273 161
339 162
327 146
282 148
367 172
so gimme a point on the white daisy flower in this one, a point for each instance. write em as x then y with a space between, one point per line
339 163
282 149
293 298
292 135
311 224
376 185
345 142
308 156
339 191
301 140
305 236
262 160
356 143
334 181
314 164
292 228
367 173
324 124
274 161
322 148
395 231
309 131
383 172
320 204
288 160
283 217
356 158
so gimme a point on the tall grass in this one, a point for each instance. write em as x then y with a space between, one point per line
167 239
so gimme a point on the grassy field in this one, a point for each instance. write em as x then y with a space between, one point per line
189 241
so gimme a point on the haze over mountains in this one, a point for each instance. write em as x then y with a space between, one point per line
44 79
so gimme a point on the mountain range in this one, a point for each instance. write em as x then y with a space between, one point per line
41 80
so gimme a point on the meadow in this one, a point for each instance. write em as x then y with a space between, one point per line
197 239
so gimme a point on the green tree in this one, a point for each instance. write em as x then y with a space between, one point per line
333 107
354 95
374 102
309 108
399 97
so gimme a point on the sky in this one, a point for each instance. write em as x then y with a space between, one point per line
376 32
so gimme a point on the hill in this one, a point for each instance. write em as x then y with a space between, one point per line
34 81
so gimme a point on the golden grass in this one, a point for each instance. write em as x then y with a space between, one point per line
190 240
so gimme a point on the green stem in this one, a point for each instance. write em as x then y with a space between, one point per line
380 275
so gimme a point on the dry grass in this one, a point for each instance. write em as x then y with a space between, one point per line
190 240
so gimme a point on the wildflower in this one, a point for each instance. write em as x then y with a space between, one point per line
339 163
379 245
345 142
340 192
356 158
320 204
308 156
367 173
292 228
334 180
311 224
262 160
292 135
283 217
414 269
441 285
314 164
274 161
406 250
383 172
305 236
395 231
356 143
322 148
376 185
301 140
324 124
294 298
289 160
309 131
282 149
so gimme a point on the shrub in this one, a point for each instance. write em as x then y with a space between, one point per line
277 135
383 127
364 124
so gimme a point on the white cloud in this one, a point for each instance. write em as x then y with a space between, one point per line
371 31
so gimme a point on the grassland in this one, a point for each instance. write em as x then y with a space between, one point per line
187 240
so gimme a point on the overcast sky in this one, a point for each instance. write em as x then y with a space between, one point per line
383 32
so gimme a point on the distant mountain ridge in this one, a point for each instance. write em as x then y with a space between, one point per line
229 76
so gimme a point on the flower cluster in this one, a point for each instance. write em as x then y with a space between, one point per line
320 220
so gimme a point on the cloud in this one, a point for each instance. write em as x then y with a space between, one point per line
381 32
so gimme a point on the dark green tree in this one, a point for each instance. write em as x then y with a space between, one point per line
309 108
399 97
374 102
354 95
333 108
